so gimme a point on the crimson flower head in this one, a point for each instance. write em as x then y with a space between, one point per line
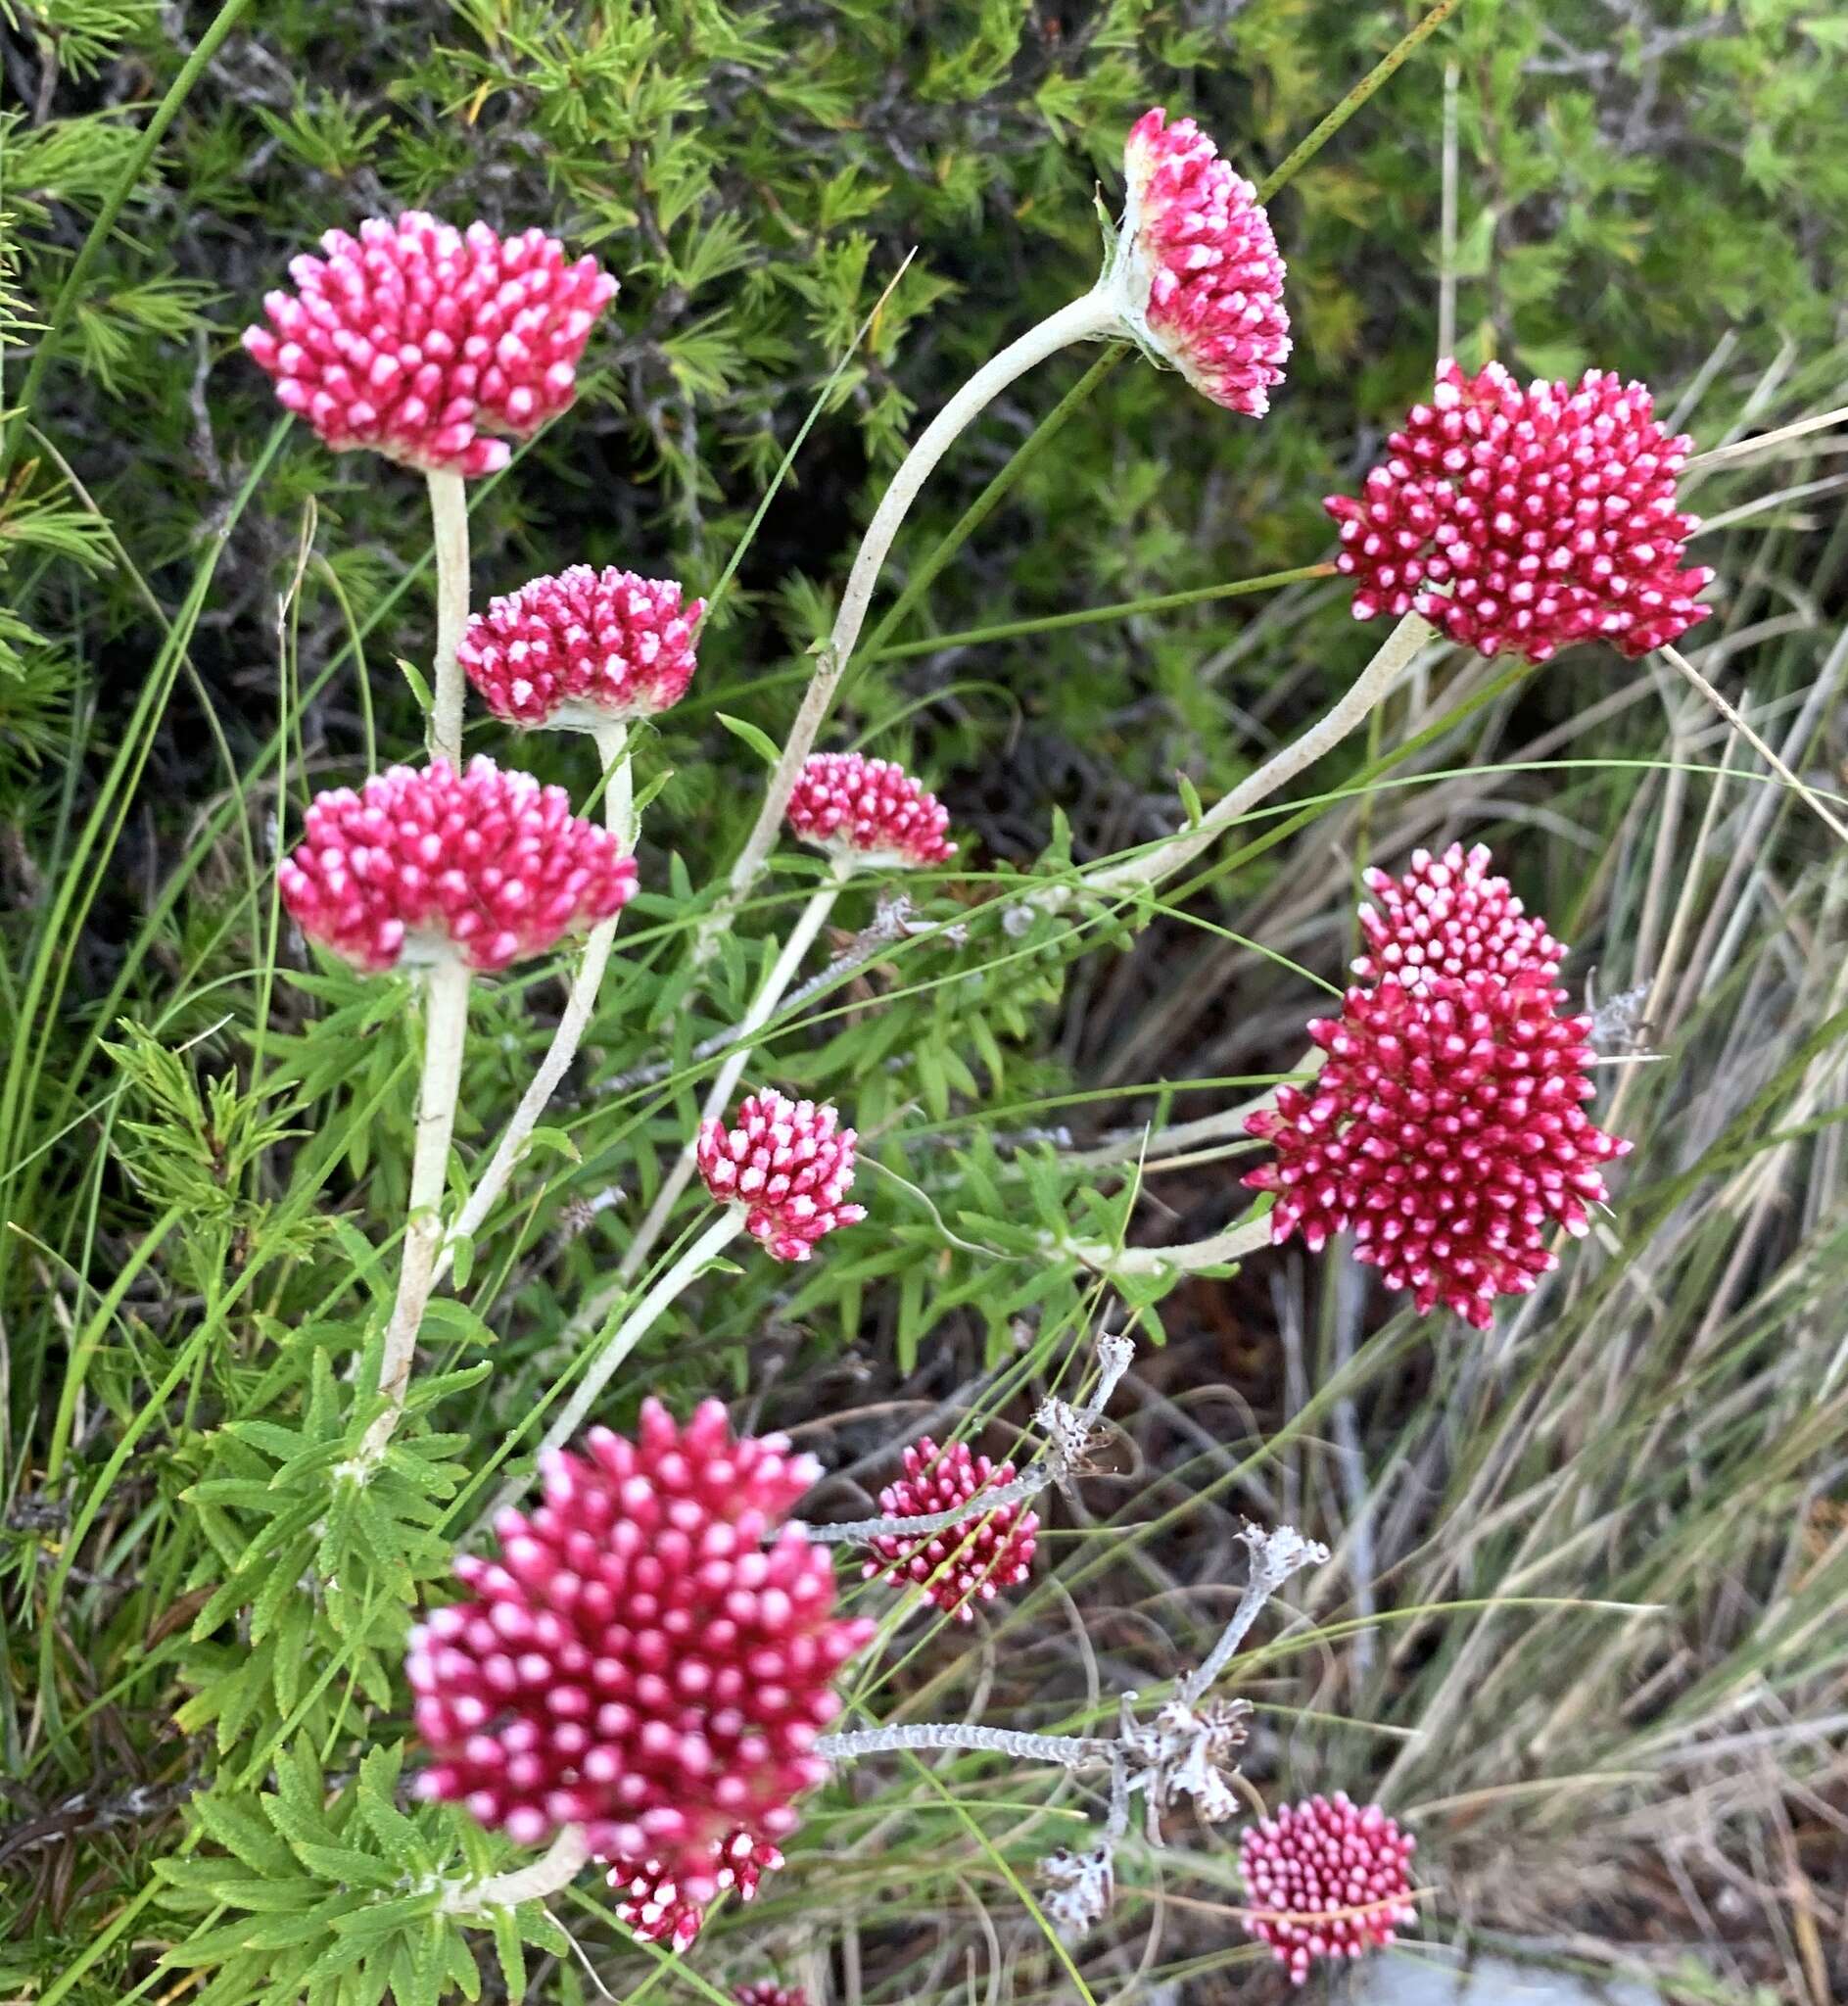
582 649
790 1164
1329 1879
418 340
421 864
650 1660
652 1905
1522 520
1201 278
766 1992
972 1561
1448 916
1445 1130
867 810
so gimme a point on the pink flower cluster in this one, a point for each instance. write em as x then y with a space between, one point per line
870 809
765 1992
790 1164
1522 520
417 340
485 864
1446 1127
652 1905
1329 1880
650 1659
970 1562
1205 280
583 645
1448 916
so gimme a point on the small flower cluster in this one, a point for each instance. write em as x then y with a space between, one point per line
1446 1127
650 1660
652 1905
1327 1880
582 647
869 811
974 1560
767 1993
417 340
483 864
789 1165
1202 267
1522 520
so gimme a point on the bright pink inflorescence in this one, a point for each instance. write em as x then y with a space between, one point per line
1206 279
1445 1130
417 340
1309 1862
766 1992
1522 520
583 645
648 1660
1448 916
868 808
421 862
790 1164
972 1561
652 1905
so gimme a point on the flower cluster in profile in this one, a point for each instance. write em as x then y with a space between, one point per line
420 341
652 1904
867 810
484 864
1201 266
650 1660
789 1165
1446 1129
1326 1880
582 647
974 1560
1522 520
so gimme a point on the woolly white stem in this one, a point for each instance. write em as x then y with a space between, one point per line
1275 1557
802 934
553 1871
1773 759
1096 313
1070 1751
619 817
444 1037
448 519
1188 1259
1374 682
628 1334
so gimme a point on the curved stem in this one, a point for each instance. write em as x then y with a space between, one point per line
445 1037
623 1340
1095 314
802 934
554 1870
448 520
1231 1245
619 816
1070 1751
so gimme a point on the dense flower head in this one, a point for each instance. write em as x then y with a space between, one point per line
790 1164
1445 1130
1201 266
582 647
1330 1878
870 809
972 1561
422 863
767 1992
650 1659
650 1901
1448 916
418 340
1522 520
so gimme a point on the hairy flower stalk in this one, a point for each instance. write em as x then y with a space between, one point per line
449 525
553 1871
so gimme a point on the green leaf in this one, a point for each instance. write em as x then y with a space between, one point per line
759 741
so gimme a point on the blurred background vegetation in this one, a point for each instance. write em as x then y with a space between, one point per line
1655 187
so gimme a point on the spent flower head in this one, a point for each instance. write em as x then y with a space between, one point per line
972 1561
582 649
789 1165
1329 1880
868 811
650 1660
1448 916
418 340
421 864
1196 265
1522 520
